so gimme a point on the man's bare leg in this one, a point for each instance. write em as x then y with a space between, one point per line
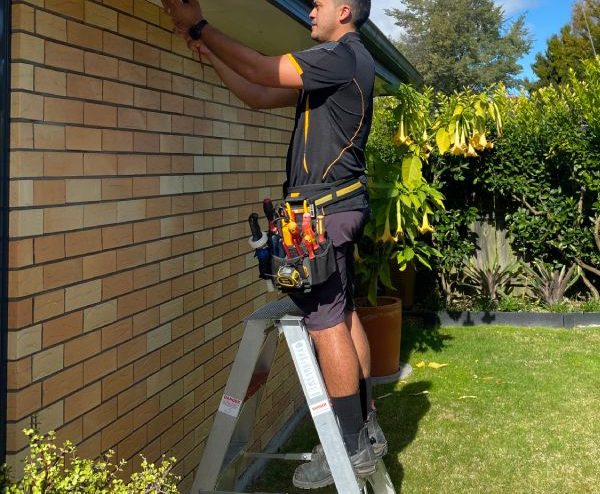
361 343
338 360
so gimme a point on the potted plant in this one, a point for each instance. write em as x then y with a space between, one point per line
403 201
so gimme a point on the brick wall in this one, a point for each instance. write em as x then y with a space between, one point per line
133 172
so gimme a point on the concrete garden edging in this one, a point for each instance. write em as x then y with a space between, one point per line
527 319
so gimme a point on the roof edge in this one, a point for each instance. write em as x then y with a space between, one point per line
391 65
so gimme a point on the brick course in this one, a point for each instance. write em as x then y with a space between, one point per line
133 171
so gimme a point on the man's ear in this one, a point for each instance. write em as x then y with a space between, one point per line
345 14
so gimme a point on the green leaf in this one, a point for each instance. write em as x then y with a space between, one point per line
411 171
442 138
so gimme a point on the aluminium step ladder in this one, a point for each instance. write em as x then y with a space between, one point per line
229 437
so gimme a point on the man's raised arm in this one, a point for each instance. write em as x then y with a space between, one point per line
274 72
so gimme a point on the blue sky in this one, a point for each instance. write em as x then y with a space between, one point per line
544 18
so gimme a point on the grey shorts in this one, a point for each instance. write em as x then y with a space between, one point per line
326 305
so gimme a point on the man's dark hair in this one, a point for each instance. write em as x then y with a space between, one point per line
361 10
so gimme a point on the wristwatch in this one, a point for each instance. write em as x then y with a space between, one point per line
195 31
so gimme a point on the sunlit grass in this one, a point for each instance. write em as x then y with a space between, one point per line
517 410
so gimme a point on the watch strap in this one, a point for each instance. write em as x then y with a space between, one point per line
195 31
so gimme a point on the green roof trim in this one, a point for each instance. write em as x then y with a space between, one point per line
391 65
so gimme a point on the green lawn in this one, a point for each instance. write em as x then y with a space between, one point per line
516 410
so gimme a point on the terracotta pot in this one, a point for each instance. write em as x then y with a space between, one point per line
404 281
383 325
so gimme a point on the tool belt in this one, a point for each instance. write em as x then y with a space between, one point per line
307 258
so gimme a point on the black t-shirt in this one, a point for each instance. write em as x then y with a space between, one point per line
333 115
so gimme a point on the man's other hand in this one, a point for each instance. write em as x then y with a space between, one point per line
185 14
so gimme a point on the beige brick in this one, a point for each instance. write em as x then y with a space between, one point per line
101 66
117 382
99 115
21 76
62 273
84 139
117 140
49 248
100 315
100 164
63 56
117 45
99 417
61 329
70 8
83 295
20 313
83 190
117 431
99 366
99 264
117 236
20 253
21 193
147 11
82 348
158 122
48 136
47 305
158 381
132 119
63 110
50 26
171 144
100 16
63 219
60 164
79 86
21 135
131 210
27 106
132 73
26 223
84 36
47 362
146 143
116 285
83 401
27 47
62 384
146 98
159 337
78 243
145 54
132 27
25 282
23 402
47 192
99 214
23 17
24 342
115 92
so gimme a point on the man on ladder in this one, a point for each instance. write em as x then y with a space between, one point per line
331 86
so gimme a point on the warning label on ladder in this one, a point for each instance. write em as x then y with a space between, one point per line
307 370
230 405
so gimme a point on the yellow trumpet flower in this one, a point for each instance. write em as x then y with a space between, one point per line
425 226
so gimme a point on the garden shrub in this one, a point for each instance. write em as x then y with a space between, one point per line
56 469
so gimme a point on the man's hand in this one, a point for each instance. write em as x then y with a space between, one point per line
185 14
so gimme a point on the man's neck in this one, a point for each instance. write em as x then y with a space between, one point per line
341 33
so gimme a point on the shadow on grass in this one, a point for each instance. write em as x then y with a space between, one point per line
417 336
399 413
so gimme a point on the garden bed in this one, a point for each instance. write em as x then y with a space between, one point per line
521 319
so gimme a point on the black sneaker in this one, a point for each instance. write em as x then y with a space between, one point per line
316 473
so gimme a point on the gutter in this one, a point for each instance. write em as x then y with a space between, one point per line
5 13
390 64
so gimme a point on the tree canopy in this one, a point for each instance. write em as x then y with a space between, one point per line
577 41
461 43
